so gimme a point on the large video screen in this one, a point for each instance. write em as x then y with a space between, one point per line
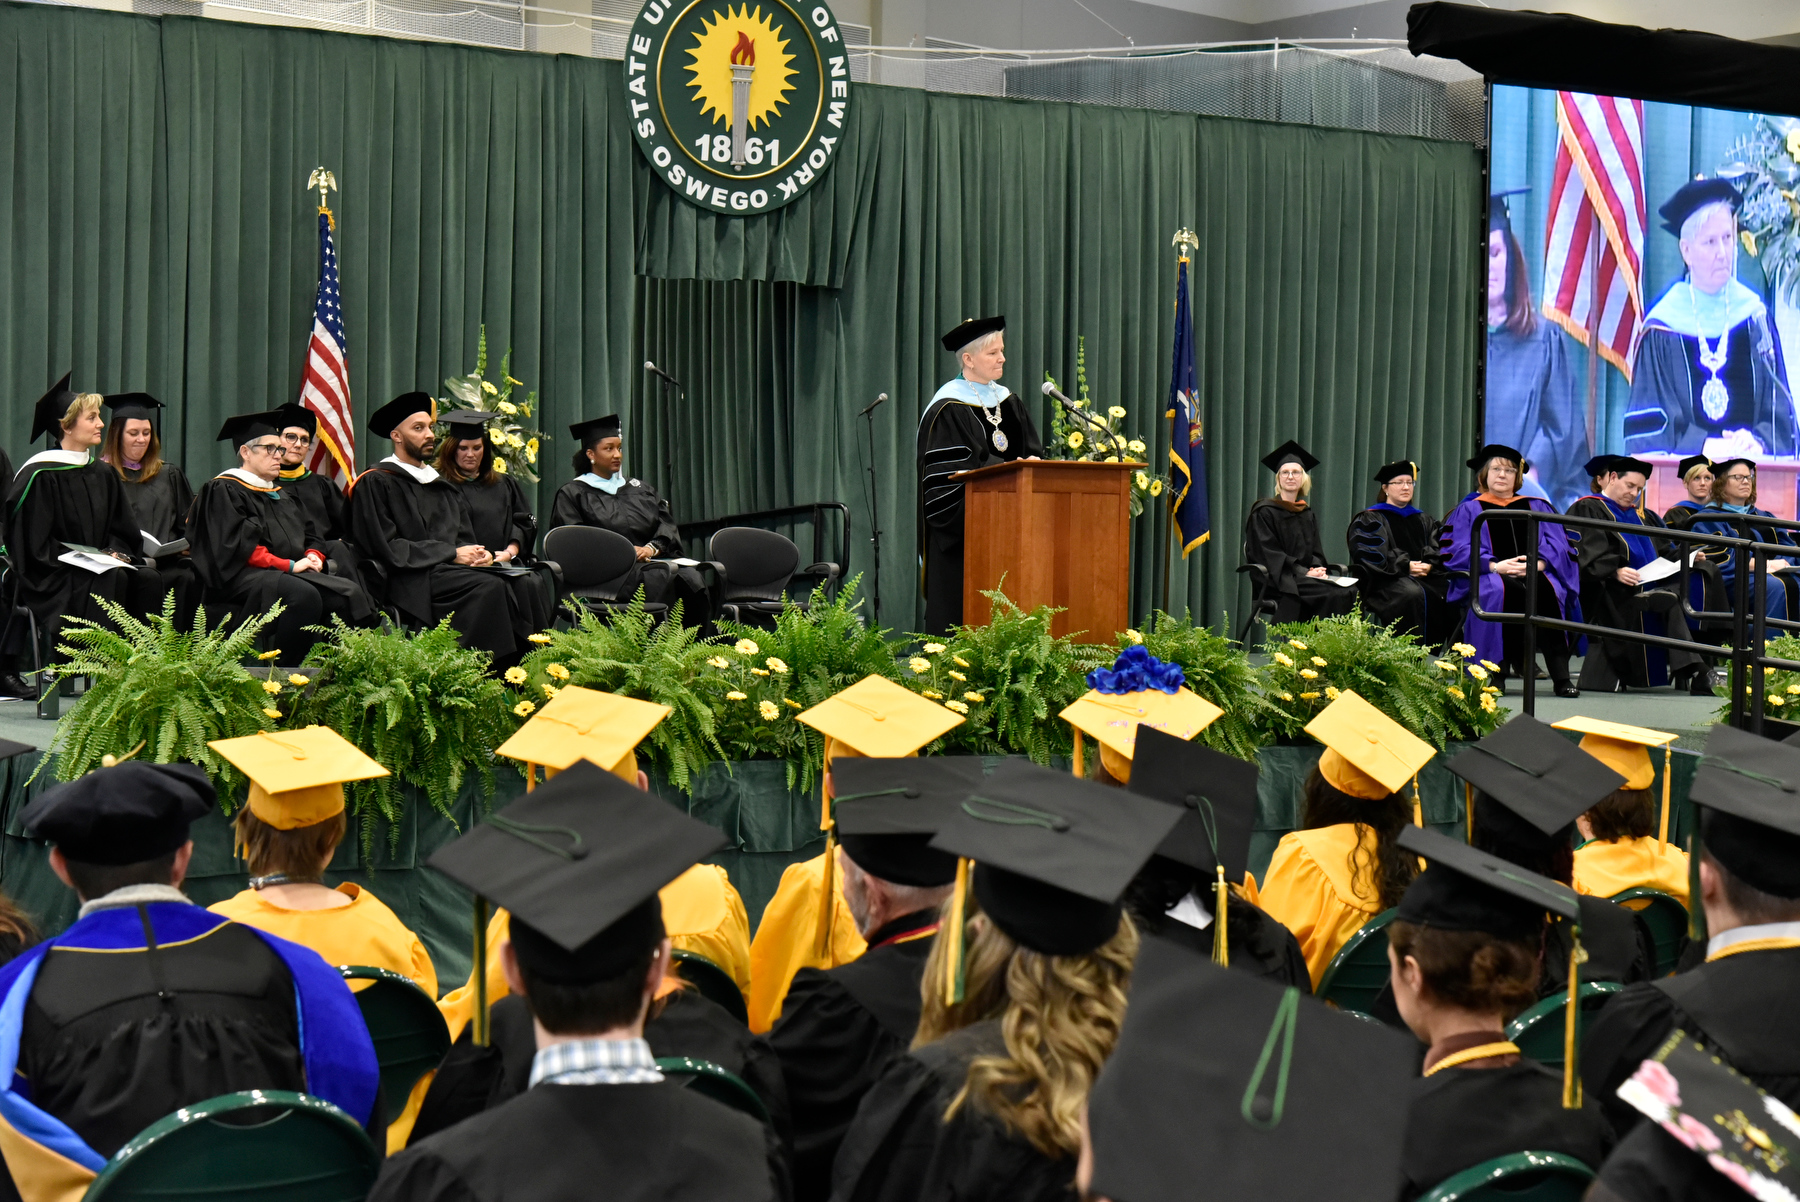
1643 289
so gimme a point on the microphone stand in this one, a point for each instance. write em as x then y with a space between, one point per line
668 441
868 416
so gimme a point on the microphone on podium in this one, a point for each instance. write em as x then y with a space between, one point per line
657 371
1050 389
879 401
1094 423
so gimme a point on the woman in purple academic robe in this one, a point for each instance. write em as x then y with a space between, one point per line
1502 580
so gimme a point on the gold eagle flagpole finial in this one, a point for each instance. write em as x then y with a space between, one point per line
323 180
1185 242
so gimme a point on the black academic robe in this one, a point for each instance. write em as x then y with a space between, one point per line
643 517
1284 539
52 505
108 1056
1667 413
501 517
1459 1117
1644 609
1255 942
955 437
1535 403
1619 947
1384 540
160 507
839 1030
230 520
686 1024
900 1149
1741 1006
1650 1165
572 1143
411 532
322 500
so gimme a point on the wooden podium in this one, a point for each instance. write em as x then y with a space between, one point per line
1060 532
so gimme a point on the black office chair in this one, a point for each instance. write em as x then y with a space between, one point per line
755 568
598 568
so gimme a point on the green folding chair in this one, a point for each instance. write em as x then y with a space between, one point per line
1518 1177
408 1029
712 983
265 1145
721 1085
1667 919
1539 1031
1359 972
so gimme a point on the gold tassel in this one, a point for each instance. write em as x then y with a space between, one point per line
530 776
1469 810
1571 1018
827 900
1662 830
1221 898
953 976
1078 767
1418 806
480 1032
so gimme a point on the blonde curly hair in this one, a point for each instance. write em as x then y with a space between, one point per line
989 952
1062 1018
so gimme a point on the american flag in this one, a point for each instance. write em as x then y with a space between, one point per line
325 386
1597 206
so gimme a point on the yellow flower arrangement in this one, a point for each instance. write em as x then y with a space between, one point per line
959 661
1156 488
540 638
1283 660
1136 446
1135 636
272 713
1297 645
792 703
524 709
1478 672
489 389
1143 480
1455 692
1775 699
1488 704
1794 688
956 706
1308 674
268 655
516 676
1490 665
934 648
500 465
776 666
769 710
734 695
508 408
271 686
745 647
1443 664
1287 696
1465 650
1110 459
1318 661
1115 411
1309 696
1331 693
1076 440
556 672
932 695
759 671
531 451
718 661
297 680
550 691
958 676
977 698
919 663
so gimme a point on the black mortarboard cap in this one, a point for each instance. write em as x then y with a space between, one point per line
1400 467
1536 773
888 810
1626 463
291 414
1259 1092
467 423
592 430
1499 211
970 329
579 861
47 414
246 426
1690 463
1465 889
125 814
1497 450
1599 465
1696 194
1215 792
383 421
1054 853
1290 452
127 405
1725 465
1750 788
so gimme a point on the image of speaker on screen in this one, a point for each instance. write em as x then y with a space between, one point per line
1708 375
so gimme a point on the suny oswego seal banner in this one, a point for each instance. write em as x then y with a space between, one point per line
739 107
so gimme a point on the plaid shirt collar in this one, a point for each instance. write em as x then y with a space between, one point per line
595 1062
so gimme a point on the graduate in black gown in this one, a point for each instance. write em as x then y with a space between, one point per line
587 954
415 526
181 1005
601 495
966 1115
254 545
973 421
157 491
1612 596
1740 1003
1531 784
502 518
840 1028
64 497
1282 535
1399 565
1175 896
1463 960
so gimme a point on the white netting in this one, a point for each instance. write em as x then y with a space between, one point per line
1347 84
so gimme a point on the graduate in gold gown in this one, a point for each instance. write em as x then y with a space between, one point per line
1342 867
1626 835
287 833
800 928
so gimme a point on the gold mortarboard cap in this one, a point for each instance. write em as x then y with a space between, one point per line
1622 748
880 719
297 777
584 724
1372 750
1113 718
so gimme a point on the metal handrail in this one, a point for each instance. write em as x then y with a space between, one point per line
1743 658
814 509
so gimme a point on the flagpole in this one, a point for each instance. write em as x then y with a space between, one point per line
1185 240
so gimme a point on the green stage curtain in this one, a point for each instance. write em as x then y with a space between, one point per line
158 235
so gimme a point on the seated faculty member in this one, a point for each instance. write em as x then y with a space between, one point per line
150 1003
1398 563
972 422
501 517
1696 473
1734 493
156 490
320 497
578 864
1282 536
254 545
1612 595
1740 1003
601 496
841 1027
415 526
